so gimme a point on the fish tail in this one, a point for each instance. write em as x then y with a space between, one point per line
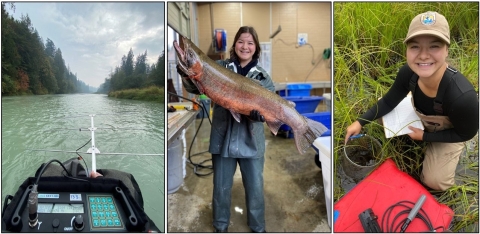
304 139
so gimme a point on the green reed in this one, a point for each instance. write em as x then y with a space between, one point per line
151 93
368 51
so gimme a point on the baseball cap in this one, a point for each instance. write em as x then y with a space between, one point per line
429 23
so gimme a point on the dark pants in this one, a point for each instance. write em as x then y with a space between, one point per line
252 177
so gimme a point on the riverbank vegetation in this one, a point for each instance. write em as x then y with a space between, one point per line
28 65
152 93
136 79
369 50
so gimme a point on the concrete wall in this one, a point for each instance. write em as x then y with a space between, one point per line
290 63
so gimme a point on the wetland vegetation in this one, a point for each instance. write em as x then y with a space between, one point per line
368 51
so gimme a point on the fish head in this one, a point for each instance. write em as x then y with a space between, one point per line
189 59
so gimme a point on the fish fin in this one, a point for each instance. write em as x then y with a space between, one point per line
305 139
274 126
236 116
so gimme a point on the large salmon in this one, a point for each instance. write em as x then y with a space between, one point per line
240 95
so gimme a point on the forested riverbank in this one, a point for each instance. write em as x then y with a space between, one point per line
31 67
152 93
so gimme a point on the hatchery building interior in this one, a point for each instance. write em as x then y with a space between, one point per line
295 42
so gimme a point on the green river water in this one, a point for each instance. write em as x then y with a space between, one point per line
52 122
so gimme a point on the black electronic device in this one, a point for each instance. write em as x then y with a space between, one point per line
77 212
88 205
369 221
63 199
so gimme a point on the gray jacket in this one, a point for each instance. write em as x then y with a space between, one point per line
228 137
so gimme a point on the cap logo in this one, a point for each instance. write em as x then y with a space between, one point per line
428 18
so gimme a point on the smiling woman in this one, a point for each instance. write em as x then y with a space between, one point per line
448 125
427 57
233 42
377 65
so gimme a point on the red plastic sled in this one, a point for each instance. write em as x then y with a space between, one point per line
384 187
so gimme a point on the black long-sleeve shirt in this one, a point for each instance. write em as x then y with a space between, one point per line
462 110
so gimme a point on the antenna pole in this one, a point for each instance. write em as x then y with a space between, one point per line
93 149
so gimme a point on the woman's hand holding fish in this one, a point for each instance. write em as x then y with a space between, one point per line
180 72
187 82
256 116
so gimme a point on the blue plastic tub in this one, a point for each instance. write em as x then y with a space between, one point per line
322 117
296 90
305 104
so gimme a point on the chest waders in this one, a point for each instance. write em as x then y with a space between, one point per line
441 158
243 144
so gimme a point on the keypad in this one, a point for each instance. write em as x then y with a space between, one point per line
103 212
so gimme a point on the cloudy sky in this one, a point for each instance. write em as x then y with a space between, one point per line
93 36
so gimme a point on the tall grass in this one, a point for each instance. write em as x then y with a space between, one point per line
152 93
368 51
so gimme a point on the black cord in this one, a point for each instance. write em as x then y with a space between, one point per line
46 165
399 224
406 211
427 221
75 178
389 211
199 104
76 151
392 228
197 166
70 176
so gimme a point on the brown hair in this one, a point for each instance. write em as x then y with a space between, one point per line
246 29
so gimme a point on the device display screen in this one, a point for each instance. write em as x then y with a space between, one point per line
60 208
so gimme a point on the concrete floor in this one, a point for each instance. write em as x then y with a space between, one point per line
293 190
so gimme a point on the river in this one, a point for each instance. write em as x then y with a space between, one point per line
52 122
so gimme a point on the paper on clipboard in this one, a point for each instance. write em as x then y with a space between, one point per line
396 122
